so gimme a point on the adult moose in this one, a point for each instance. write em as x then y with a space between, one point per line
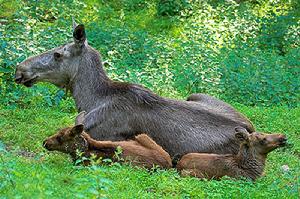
118 111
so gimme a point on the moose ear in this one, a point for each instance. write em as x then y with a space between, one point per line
241 133
80 118
74 24
76 130
79 35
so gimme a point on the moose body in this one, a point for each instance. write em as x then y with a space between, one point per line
118 111
141 151
248 163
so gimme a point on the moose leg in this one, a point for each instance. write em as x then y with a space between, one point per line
209 100
222 108
196 97
192 172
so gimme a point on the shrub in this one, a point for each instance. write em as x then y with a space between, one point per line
246 52
256 77
171 7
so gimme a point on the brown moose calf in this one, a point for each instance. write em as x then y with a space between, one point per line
248 163
142 151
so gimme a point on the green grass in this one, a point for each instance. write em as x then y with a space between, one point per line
28 171
216 47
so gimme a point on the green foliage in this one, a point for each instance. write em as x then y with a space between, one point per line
246 52
171 7
29 171
27 32
252 76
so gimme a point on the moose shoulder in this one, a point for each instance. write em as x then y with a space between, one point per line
117 111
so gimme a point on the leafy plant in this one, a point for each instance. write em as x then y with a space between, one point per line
245 52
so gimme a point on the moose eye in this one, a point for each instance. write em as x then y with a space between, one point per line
57 56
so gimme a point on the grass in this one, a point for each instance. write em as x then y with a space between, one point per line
154 51
28 171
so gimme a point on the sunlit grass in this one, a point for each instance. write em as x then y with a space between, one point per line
173 56
27 170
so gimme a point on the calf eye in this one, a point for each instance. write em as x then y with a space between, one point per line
263 141
59 140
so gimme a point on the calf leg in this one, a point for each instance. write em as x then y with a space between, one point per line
193 173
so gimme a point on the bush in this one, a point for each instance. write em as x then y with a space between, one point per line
171 7
33 28
246 52
256 77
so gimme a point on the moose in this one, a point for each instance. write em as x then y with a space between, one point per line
248 163
119 111
141 151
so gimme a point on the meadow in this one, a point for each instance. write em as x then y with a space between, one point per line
246 53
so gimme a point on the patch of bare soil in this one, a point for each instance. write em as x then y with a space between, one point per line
20 152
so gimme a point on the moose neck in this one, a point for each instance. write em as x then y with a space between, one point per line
89 81
250 161
81 147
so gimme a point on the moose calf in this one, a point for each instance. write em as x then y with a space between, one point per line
248 163
141 151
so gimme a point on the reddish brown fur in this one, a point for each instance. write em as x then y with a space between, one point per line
141 151
248 163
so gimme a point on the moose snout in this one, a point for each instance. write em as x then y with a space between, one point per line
282 140
25 76
45 144
18 77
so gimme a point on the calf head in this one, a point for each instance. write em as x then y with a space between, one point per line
67 140
57 66
261 143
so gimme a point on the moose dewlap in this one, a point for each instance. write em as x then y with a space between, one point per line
248 163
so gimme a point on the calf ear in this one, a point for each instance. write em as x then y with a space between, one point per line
241 129
241 133
80 118
79 35
76 130
241 136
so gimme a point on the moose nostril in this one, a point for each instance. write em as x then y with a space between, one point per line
19 78
282 139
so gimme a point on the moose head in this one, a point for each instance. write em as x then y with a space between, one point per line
57 66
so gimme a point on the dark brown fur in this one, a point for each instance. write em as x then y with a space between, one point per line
142 151
248 163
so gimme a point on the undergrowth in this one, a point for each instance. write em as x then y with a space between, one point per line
27 170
